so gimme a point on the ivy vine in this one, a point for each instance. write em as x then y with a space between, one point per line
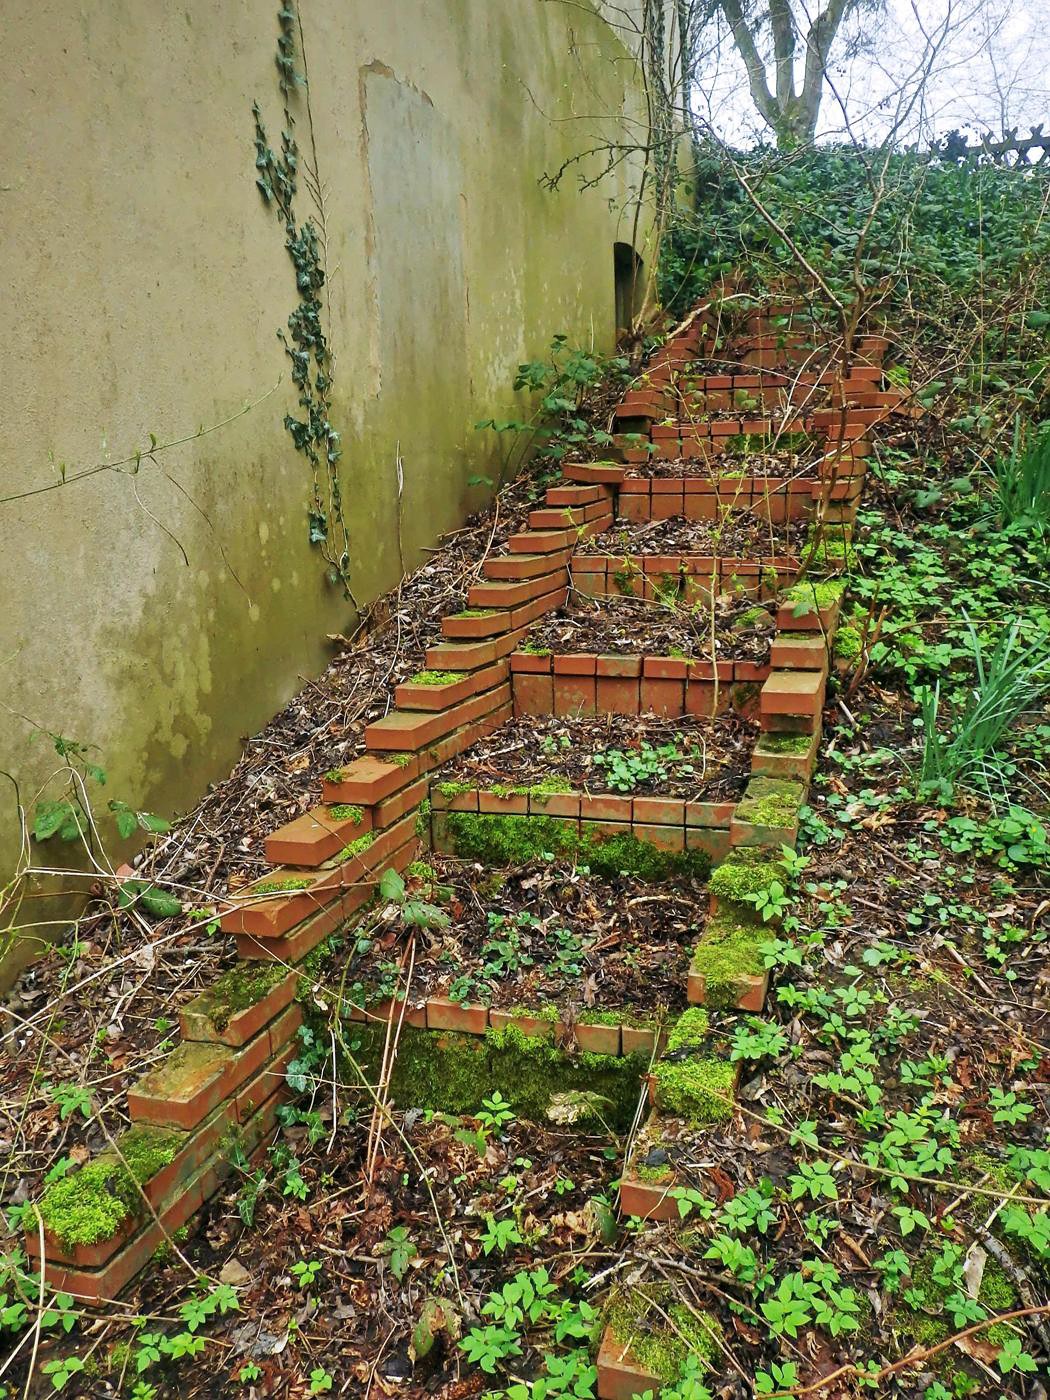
305 342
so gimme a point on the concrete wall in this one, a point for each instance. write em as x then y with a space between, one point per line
145 283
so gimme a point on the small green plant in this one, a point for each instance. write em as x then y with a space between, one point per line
1022 478
305 1273
495 1112
399 1250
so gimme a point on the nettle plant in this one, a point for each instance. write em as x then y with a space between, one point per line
68 817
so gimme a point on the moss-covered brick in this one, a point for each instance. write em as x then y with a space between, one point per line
687 1080
346 812
504 840
453 1073
784 743
748 871
728 956
89 1205
437 677
770 802
282 885
661 1333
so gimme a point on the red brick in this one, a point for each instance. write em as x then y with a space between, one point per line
619 666
314 837
575 664
445 1015
664 838
793 693
580 495
663 697
533 693
538 1027
609 473
411 730
368 779
555 804
198 1018
618 696
386 813
646 1200
574 695
674 668
528 612
529 661
599 807
799 651
409 696
520 566
456 625
659 811
511 595
642 1040
709 813
597 1039
514 803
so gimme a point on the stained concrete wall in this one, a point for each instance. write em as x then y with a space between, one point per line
164 616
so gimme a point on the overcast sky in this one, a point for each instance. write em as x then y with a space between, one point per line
988 63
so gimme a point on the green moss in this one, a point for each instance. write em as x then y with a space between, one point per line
750 618
847 643
287 882
241 987
509 840
453 1073
784 743
334 775
89 1205
727 955
748 871
476 612
688 1082
346 812
147 1150
771 802
437 677
422 822
453 789
531 649
357 846
823 594
400 760
419 870
638 1319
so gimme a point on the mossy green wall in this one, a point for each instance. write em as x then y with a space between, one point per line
166 616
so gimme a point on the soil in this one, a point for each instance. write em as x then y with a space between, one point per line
626 626
534 937
777 466
738 536
714 763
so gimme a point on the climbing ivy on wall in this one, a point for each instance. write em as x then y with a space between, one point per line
278 178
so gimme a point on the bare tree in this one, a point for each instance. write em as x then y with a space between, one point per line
779 43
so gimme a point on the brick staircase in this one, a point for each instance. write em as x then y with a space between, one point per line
677 458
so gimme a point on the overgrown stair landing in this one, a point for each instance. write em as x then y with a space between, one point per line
541 644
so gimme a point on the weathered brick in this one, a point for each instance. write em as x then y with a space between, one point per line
314 837
793 693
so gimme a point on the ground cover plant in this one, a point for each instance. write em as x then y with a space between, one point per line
867 1213
684 757
547 936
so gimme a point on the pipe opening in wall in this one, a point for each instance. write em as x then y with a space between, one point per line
628 274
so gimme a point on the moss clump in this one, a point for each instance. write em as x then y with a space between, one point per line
747 872
514 840
453 789
357 847
638 1319
770 802
453 1073
784 743
847 643
476 612
422 822
346 812
419 870
238 989
437 677
751 618
282 885
89 1205
334 775
688 1083
815 595
147 1150
727 955
531 649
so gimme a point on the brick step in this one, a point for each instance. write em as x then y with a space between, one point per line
584 684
